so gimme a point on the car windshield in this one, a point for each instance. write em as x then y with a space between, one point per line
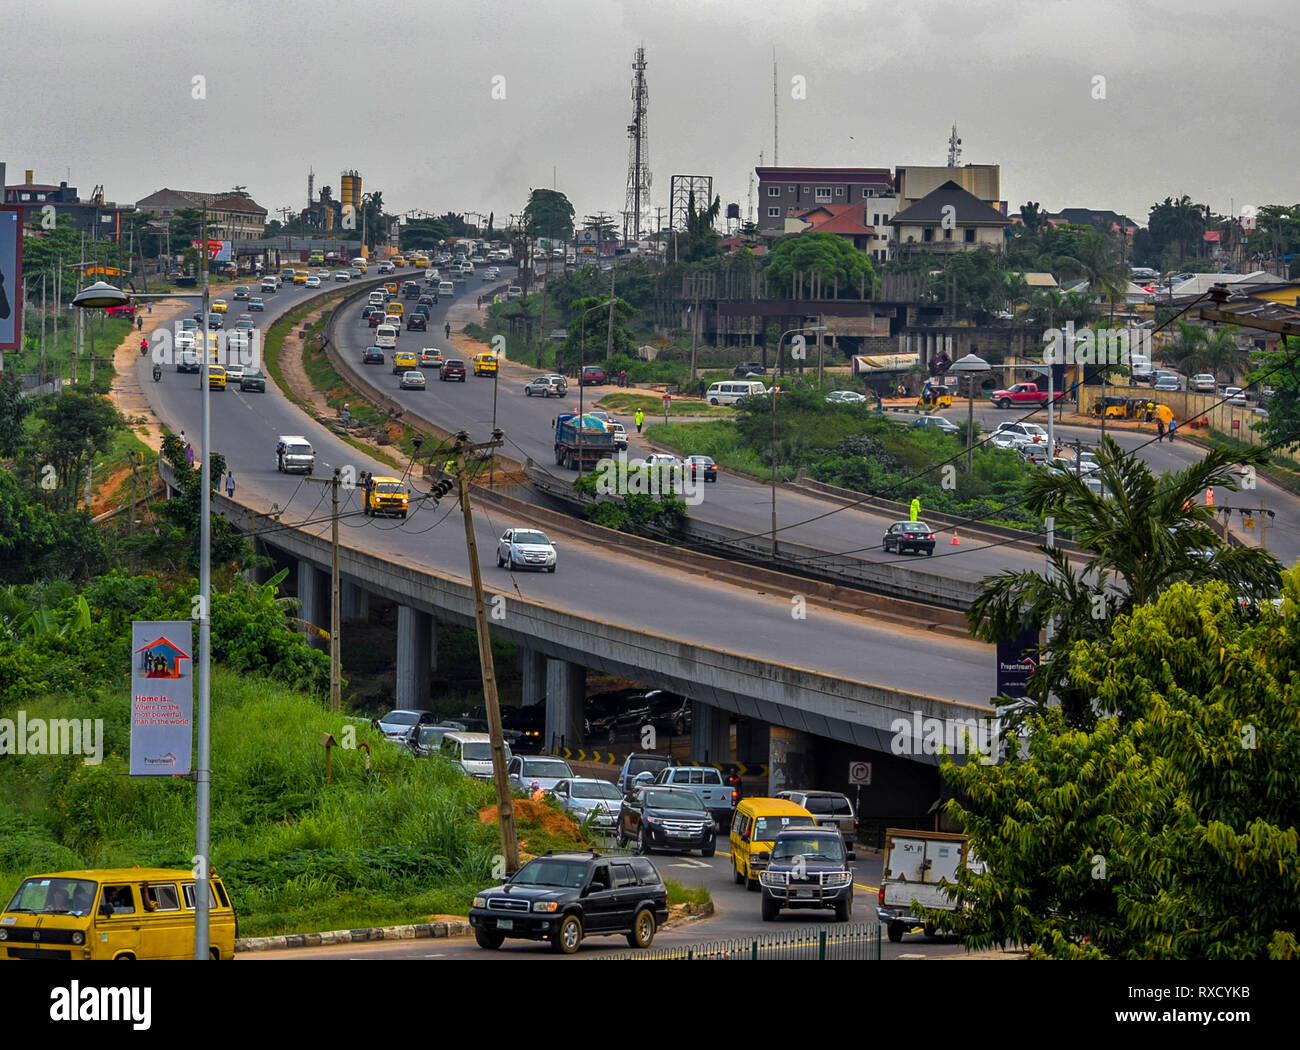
54 896
391 486
768 828
545 871
599 789
531 537
832 805
673 800
477 751
546 768
432 734
298 450
822 847
401 718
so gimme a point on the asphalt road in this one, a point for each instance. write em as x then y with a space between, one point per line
590 580
736 914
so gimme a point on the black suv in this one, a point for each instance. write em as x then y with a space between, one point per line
808 869
562 896
666 818
749 368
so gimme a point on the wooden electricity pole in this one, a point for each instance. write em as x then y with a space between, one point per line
505 803
336 671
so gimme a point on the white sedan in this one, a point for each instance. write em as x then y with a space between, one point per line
525 549
313 281
342 275
845 397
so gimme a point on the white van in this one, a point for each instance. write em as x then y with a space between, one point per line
270 284
386 337
294 452
733 390
472 752
446 288
378 298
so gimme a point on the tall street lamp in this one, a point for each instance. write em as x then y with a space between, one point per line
101 296
970 366
582 351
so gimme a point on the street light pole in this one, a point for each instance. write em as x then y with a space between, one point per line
202 772
582 352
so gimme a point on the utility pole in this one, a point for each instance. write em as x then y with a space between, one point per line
505 803
336 685
609 335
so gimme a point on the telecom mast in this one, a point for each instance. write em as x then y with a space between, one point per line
636 210
954 148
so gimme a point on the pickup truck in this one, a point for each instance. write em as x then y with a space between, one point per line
1022 394
914 864
718 798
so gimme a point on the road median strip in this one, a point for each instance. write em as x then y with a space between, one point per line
414 931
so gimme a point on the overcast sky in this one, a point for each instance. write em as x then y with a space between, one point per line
1200 96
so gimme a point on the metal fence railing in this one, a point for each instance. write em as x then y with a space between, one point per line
851 941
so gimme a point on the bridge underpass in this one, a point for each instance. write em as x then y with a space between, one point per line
804 726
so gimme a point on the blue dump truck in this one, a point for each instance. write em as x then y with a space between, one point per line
586 445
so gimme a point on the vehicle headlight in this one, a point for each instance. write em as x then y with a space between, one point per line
651 820
545 905
480 902
836 878
78 938
774 878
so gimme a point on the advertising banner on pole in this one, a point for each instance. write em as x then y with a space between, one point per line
11 279
162 698
1015 665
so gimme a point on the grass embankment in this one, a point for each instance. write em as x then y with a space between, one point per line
325 378
718 439
398 844
652 405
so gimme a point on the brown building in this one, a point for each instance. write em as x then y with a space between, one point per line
784 193
230 217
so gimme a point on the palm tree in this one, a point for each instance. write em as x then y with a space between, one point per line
1197 348
1144 534
1097 259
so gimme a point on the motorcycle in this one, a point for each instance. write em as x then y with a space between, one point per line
157 373
144 347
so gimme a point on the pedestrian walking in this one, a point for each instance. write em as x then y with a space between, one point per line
640 418
189 455
480 302
916 508
139 323
1173 426
447 330
230 484
1160 430
148 307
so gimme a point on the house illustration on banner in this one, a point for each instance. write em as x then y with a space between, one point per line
160 659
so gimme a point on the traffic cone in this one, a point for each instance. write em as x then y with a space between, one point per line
955 542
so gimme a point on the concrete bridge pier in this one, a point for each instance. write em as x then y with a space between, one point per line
710 734
354 601
416 650
532 671
789 759
566 689
314 593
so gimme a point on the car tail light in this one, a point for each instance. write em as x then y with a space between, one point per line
735 796
881 895
930 537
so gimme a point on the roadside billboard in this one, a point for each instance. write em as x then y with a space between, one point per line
11 279
162 698
864 365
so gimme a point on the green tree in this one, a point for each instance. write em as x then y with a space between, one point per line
588 332
838 264
1197 348
1177 226
603 225
1167 829
1097 259
1280 370
72 430
1144 534
701 238
14 408
548 213
41 542
177 545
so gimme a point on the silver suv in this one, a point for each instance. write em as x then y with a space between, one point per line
547 386
830 808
